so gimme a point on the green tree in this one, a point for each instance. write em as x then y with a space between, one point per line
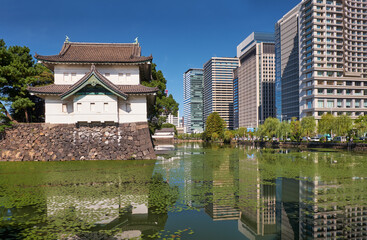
17 72
241 132
284 130
164 104
308 125
260 132
228 136
361 124
270 127
326 124
214 124
214 137
343 125
296 130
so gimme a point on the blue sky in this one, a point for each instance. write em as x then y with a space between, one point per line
179 34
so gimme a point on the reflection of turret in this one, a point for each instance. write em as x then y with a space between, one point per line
257 202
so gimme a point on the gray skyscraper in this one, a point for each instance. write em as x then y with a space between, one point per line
218 88
256 79
193 101
287 65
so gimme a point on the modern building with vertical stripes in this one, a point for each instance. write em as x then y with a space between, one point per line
218 87
256 79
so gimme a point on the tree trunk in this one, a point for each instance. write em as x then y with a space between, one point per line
6 112
26 115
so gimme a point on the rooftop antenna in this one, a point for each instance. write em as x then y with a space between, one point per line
67 39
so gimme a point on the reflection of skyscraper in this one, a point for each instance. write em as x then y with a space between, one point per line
287 207
257 202
332 209
221 204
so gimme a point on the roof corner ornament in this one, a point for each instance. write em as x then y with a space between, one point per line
136 40
67 39
92 68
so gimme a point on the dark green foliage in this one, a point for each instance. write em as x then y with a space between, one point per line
17 72
164 104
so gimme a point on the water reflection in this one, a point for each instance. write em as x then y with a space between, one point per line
277 194
193 192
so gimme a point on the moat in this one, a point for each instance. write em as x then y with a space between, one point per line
196 192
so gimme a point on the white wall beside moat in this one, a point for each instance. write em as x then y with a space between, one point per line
96 108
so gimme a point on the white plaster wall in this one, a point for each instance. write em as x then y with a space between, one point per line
104 108
138 111
117 74
79 109
54 113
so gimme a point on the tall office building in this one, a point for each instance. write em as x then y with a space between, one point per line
256 79
218 88
287 66
333 57
193 101
235 99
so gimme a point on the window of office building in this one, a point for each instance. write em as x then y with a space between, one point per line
309 104
348 103
340 103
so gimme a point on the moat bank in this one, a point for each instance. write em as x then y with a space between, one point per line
359 147
45 142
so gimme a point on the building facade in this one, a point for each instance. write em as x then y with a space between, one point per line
256 79
235 99
333 58
174 120
218 88
193 101
287 66
97 82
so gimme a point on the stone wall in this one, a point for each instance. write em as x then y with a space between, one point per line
45 142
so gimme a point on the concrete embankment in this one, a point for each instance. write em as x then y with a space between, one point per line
45 142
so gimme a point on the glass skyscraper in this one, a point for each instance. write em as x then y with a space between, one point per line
287 66
193 101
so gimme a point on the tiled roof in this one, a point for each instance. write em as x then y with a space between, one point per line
64 90
54 89
163 130
97 53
